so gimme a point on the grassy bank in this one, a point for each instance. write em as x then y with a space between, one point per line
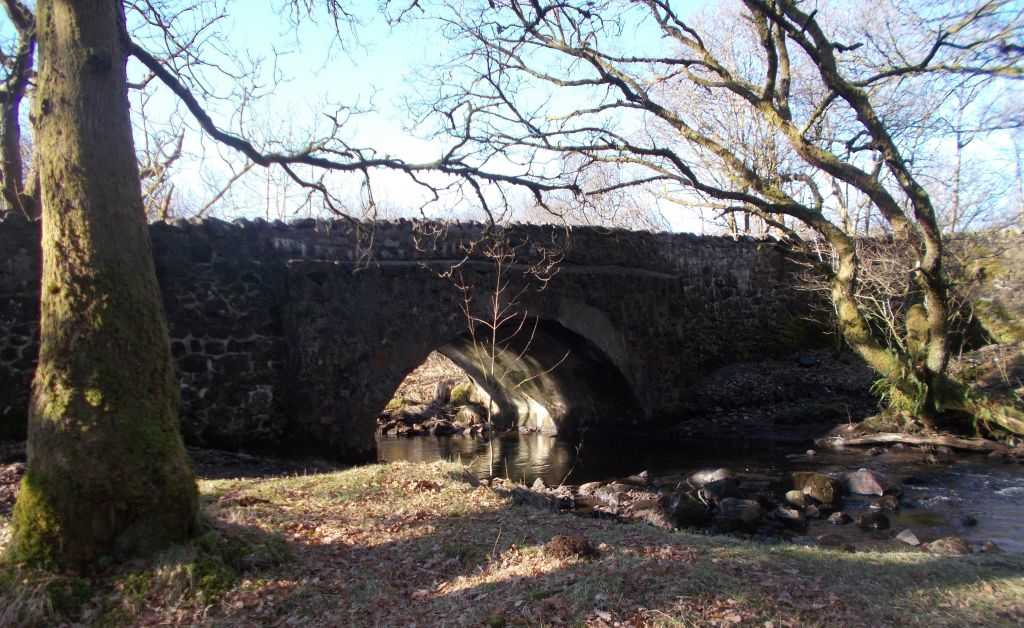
416 543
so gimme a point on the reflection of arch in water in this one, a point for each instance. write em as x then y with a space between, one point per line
550 378
519 457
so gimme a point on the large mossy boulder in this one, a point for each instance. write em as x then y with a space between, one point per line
462 394
823 488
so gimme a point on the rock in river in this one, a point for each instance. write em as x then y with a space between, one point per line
867 482
840 518
796 498
821 487
872 520
886 503
715 491
702 477
789 517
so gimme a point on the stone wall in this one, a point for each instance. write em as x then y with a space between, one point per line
19 326
293 336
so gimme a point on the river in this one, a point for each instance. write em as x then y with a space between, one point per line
943 494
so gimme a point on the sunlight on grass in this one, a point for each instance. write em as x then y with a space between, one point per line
401 543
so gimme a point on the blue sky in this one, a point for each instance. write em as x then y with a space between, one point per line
376 68
370 69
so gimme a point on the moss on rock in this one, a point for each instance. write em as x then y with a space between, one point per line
462 394
397 404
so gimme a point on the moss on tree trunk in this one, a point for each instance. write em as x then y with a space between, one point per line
107 471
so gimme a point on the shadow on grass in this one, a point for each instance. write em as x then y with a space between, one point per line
489 566
409 544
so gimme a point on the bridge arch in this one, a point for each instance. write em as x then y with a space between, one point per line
545 376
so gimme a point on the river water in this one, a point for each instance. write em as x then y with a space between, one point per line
940 498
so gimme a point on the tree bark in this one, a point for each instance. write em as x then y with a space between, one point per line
107 471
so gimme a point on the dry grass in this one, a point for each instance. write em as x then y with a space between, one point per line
406 544
419 386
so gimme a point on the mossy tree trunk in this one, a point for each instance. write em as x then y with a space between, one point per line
107 471
919 374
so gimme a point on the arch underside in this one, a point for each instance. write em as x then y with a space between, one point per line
544 376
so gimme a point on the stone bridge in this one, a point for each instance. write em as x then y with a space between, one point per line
294 336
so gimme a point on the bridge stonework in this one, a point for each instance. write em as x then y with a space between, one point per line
293 337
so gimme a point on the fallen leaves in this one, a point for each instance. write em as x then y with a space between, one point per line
407 544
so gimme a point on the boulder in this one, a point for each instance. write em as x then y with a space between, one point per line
462 394
589 487
715 491
908 537
468 415
611 494
702 477
790 517
949 546
522 496
867 482
796 498
812 512
684 510
840 518
821 487
744 511
886 503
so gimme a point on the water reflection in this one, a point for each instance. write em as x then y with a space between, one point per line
525 457
519 457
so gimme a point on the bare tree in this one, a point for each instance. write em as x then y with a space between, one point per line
18 194
107 472
655 92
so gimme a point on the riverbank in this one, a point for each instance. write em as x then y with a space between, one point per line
428 544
